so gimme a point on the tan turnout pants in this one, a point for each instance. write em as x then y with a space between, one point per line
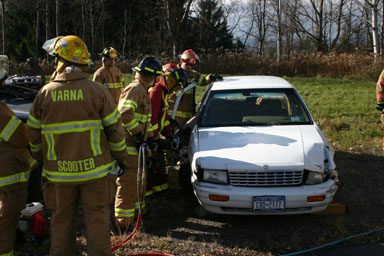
95 198
12 201
126 201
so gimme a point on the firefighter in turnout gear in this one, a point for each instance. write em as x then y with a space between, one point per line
135 109
16 164
76 132
380 96
109 75
173 77
187 105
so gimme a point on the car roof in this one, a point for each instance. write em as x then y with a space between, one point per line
251 82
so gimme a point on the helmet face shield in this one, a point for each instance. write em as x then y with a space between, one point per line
49 45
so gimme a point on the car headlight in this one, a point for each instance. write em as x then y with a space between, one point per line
215 176
314 178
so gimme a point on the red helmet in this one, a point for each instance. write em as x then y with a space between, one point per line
190 57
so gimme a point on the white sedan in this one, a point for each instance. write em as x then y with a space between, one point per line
255 149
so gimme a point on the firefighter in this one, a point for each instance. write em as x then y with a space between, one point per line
380 96
75 128
109 75
173 77
135 109
187 105
16 164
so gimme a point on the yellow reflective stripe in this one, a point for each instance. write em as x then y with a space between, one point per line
131 125
32 163
35 147
155 127
153 71
181 114
128 104
156 188
15 178
115 85
111 118
164 186
138 205
10 128
96 173
33 122
124 212
119 146
74 126
148 193
150 129
51 155
143 118
132 151
8 253
95 142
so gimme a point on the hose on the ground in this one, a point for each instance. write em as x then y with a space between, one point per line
332 243
141 176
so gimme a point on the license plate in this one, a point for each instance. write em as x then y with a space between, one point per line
268 203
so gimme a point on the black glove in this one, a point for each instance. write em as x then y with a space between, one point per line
163 144
175 141
173 123
215 77
380 106
139 139
152 144
120 168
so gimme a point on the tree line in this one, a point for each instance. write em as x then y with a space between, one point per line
278 28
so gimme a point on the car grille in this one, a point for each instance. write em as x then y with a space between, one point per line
270 178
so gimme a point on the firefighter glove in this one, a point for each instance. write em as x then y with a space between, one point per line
139 139
380 106
152 144
215 77
175 141
163 144
120 168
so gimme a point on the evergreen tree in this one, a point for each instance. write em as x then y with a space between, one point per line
212 26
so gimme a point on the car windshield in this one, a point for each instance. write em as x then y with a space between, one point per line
253 107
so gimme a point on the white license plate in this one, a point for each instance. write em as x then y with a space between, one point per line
268 203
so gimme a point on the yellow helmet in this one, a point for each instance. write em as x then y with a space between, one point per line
69 48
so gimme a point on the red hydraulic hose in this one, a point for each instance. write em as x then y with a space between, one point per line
141 169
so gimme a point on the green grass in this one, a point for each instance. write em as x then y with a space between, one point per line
344 110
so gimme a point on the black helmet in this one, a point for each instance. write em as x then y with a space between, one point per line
149 66
110 53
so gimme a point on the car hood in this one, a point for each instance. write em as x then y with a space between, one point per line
260 148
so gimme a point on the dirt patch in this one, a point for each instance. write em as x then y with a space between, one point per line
173 225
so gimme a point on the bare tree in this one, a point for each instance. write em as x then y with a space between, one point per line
310 19
175 20
373 4
37 46
57 17
256 23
